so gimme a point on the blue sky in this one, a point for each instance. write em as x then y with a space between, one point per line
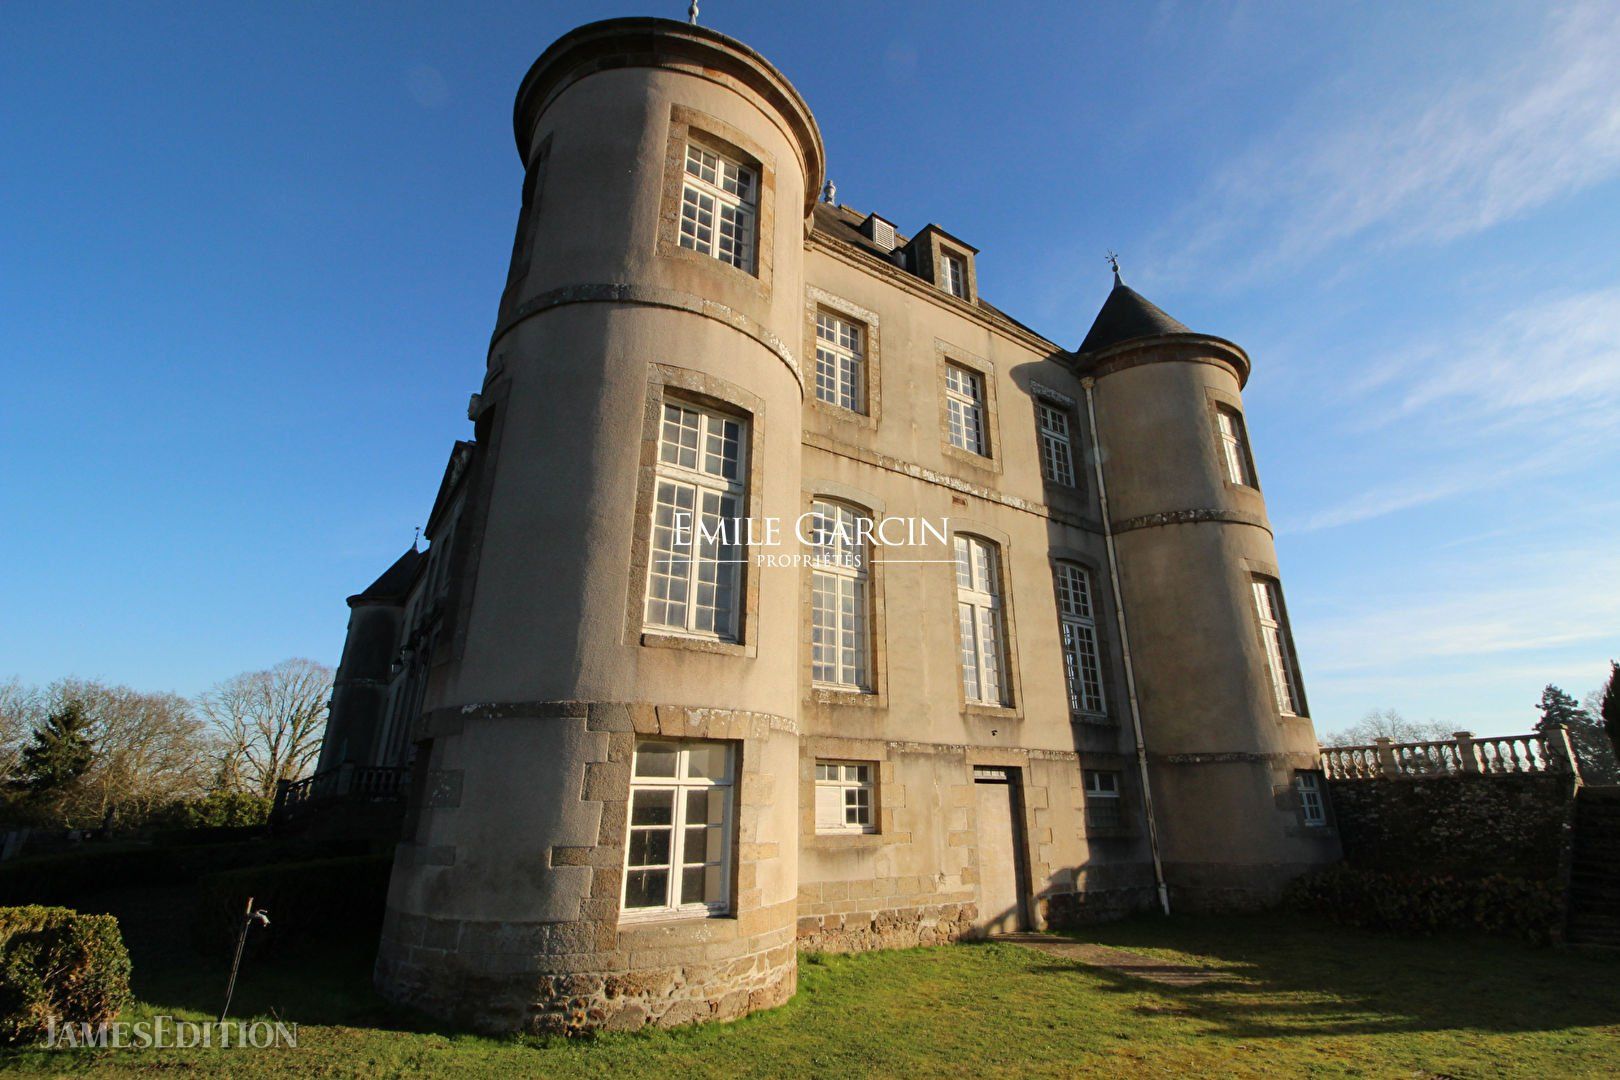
250 257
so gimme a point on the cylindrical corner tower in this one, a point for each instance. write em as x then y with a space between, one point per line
1222 706
596 838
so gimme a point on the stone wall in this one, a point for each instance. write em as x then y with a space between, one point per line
1468 825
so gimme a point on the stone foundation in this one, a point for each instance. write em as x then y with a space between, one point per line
504 978
893 928
1062 911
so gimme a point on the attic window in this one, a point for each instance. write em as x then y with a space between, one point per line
953 275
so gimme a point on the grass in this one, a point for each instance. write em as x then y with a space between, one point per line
1301 999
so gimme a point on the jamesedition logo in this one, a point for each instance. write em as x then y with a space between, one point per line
831 540
170 1033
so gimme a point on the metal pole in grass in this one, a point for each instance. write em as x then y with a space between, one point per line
249 917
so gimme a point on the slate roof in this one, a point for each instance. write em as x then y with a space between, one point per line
1125 316
395 582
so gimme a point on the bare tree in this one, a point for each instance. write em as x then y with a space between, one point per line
268 724
22 708
1387 724
150 750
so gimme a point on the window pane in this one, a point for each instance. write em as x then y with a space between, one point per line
655 758
652 807
646 888
709 761
649 847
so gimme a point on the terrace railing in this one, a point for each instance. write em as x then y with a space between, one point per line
363 783
1463 754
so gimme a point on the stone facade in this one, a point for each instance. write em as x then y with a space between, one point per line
528 679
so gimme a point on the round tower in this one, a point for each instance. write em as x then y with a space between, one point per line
596 837
1223 712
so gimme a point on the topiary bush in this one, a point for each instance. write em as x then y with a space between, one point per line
1434 903
308 902
57 963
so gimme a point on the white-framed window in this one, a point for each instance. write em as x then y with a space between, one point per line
839 597
719 200
964 409
1057 451
694 573
677 855
953 274
1077 620
1279 645
840 362
844 802
1234 446
1312 807
1102 800
979 619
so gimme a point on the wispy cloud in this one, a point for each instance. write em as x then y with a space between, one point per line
1507 604
1515 134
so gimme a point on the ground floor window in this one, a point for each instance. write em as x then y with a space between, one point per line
844 796
678 850
1102 800
1312 806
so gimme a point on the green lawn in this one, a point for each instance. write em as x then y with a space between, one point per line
1304 999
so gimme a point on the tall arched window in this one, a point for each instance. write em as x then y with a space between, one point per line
840 598
979 616
1078 623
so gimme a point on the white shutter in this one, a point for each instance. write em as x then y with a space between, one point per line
829 807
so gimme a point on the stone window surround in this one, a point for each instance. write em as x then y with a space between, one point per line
889 798
876 696
704 390
1013 689
1102 619
717 909
1041 394
927 249
1251 569
946 354
1215 398
816 299
1129 797
687 124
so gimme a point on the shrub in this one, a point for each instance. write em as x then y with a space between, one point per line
308 902
1427 904
57 963
216 810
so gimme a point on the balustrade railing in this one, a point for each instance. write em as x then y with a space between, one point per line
1462 755
364 782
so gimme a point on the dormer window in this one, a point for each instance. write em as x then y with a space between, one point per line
953 275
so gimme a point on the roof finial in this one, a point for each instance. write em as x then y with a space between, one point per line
1113 261
416 540
829 193
692 12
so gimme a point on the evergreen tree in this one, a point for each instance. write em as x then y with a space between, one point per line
58 754
1592 749
1609 709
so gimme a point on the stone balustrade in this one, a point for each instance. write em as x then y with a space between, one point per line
1464 754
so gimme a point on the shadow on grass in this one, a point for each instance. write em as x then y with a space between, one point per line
1287 976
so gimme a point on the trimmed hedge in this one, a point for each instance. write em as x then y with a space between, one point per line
307 902
1435 903
57 963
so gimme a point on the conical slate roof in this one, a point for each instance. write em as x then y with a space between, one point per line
396 581
1126 315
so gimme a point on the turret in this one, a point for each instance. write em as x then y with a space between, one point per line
604 684
1222 706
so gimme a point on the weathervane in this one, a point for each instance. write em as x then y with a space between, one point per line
1113 261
